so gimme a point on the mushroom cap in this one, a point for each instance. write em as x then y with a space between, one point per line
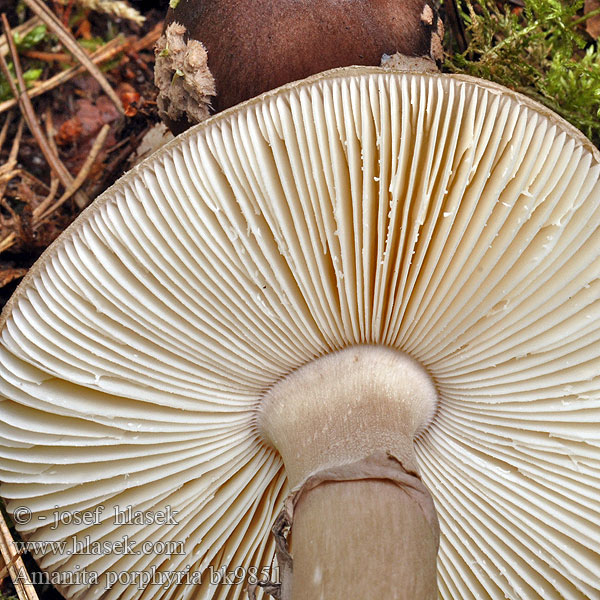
439 215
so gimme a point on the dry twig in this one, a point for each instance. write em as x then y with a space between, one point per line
6 276
54 183
40 213
32 178
4 130
8 171
118 8
148 40
7 242
49 56
14 564
50 131
22 30
11 163
70 43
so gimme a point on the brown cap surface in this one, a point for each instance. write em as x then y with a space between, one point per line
257 45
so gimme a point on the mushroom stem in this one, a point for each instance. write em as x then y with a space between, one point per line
362 539
363 524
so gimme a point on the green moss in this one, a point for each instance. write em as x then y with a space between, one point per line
30 76
541 51
32 39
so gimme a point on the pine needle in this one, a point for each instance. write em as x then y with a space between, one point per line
14 563
117 8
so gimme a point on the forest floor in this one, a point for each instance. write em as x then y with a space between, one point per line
90 122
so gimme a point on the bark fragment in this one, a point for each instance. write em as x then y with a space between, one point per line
185 83
417 64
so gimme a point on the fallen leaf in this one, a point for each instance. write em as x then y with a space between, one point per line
69 131
129 97
592 25
87 121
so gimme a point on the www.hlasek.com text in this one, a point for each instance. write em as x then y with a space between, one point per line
85 546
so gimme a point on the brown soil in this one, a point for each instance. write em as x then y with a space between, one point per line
72 115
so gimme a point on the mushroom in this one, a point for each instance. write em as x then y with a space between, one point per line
330 308
255 46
